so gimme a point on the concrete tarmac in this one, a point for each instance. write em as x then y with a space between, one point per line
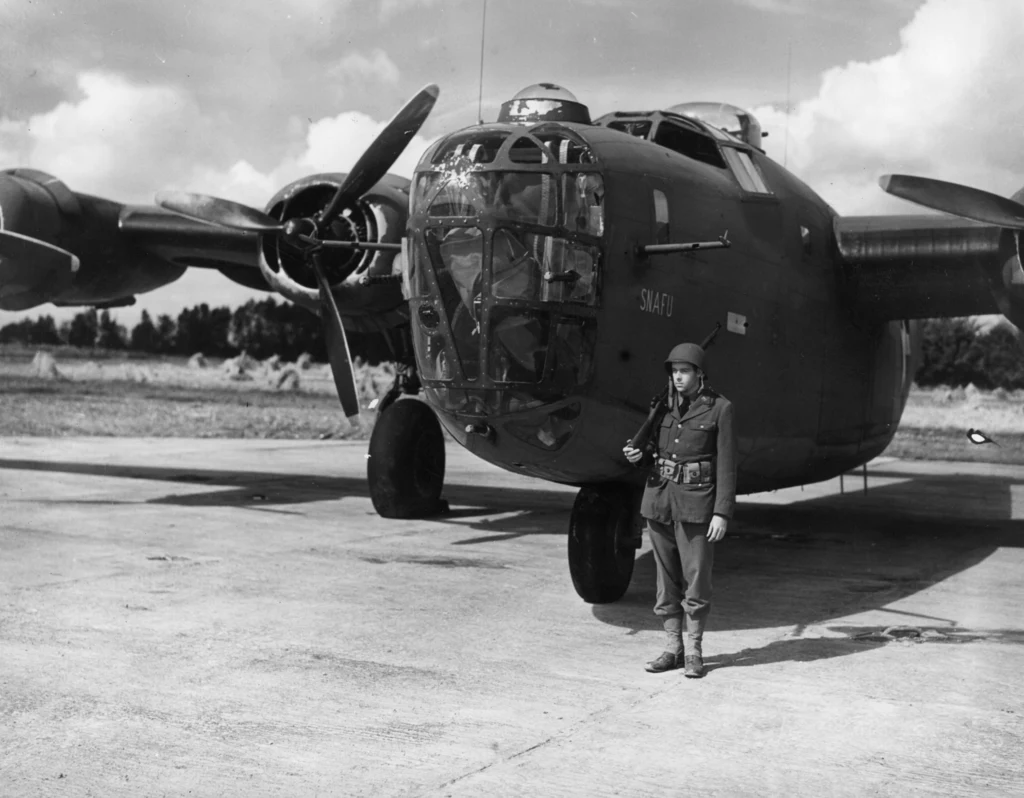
226 617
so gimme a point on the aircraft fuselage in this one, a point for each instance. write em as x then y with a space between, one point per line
541 330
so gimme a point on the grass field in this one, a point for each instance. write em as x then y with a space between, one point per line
122 396
86 393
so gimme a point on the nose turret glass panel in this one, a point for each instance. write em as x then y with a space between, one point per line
504 271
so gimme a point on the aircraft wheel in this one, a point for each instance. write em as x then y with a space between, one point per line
601 545
405 469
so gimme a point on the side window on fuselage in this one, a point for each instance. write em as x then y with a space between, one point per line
661 218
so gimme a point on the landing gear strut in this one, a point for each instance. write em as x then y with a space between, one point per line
405 469
602 542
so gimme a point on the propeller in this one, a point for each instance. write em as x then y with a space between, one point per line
372 165
384 151
970 203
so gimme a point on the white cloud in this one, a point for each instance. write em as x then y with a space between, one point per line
389 9
332 144
828 8
376 67
117 140
946 105
126 141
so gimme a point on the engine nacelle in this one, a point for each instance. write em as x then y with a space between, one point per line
379 216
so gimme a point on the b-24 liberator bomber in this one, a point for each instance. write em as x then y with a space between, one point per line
530 278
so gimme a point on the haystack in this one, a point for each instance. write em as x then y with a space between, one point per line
238 368
304 361
44 366
288 379
972 395
272 363
140 374
197 361
238 374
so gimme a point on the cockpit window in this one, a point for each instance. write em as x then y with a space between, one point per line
747 173
689 143
634 127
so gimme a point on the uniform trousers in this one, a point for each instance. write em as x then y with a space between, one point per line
684 557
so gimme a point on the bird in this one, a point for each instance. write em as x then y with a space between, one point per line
977 436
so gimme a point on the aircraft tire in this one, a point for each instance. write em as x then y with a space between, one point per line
601 547
405 467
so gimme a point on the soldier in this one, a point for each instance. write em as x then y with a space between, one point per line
690 495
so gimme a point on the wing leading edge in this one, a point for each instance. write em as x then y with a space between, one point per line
187 242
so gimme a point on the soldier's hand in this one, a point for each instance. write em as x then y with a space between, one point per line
632 454
716 530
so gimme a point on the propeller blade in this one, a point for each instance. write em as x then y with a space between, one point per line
214 210
384 151
337 344
970 203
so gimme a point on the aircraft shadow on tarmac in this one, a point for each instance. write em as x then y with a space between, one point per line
806 563
782 565
258 489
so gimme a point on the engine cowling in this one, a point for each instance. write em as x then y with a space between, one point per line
361 280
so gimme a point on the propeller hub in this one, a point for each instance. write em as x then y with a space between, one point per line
293 228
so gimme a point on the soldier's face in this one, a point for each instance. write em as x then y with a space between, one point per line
684 377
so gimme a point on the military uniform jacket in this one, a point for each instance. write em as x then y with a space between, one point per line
703 433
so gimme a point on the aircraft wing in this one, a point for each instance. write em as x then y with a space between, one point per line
176 239
928 266
74 249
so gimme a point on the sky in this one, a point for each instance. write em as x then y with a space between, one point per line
123 98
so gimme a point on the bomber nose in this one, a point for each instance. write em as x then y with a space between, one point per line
507 234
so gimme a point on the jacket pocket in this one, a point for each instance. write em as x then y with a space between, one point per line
698 437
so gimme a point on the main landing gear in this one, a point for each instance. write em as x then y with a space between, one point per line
603 539
405 468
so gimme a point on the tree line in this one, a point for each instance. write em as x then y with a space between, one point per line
954 351
261 328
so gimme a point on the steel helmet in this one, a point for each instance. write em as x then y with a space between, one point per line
685 353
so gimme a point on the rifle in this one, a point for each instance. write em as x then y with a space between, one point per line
643 435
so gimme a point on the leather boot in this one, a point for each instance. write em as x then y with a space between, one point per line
672 657
693 662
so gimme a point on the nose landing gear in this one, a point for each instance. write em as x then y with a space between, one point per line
603 539
405 469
